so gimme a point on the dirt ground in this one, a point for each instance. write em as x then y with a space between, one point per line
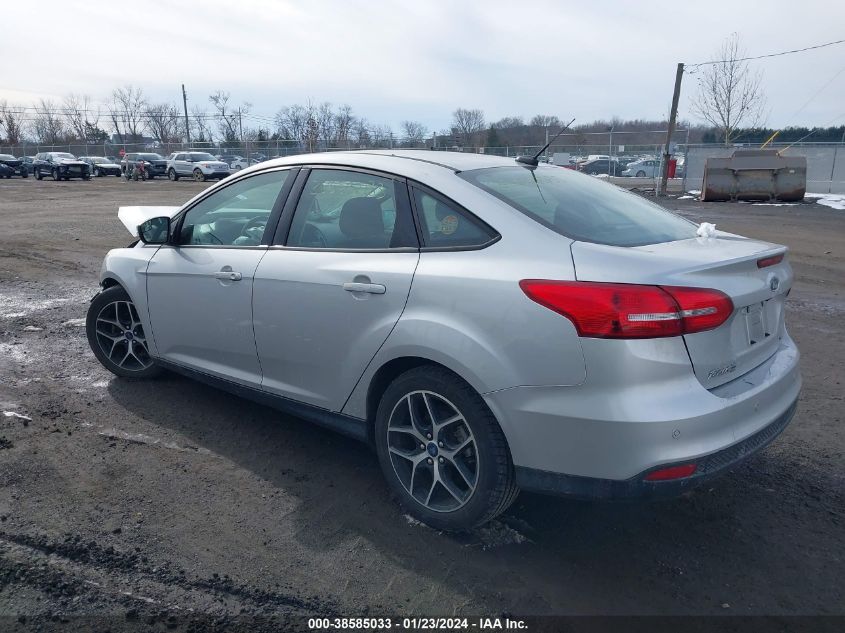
147 500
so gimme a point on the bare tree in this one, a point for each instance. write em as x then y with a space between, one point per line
729 93
360 132
164 122
545 120
290 123
414 132
83 116
10 122
230 118
200 131
343 120
325 123
468 124
126 111
48 124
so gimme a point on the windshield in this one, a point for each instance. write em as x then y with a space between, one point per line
201 156
150 156
64 155
581 207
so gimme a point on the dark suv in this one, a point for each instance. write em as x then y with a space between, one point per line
59 165
17 165
155 163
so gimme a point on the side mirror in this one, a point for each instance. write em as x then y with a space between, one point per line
155 230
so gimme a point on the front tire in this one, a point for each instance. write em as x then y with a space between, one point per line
117 337
56 175
442 450
641 174
199 176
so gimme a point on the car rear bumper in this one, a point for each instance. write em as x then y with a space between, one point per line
707 467
645 410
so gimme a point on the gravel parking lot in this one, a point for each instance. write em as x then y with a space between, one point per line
151 499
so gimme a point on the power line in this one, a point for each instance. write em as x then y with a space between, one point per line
745 59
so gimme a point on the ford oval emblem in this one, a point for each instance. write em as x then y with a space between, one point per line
774 284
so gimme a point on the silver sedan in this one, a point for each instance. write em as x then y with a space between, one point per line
487 325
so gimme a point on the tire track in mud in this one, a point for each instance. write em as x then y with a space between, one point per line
81 577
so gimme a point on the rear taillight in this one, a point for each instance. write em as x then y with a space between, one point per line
605 310
769 261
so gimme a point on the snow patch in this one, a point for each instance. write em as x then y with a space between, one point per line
32 328
686 197
412 521
832 200
694 192
706 229
17 416
75 323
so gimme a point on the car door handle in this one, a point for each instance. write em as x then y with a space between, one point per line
228 275
355 286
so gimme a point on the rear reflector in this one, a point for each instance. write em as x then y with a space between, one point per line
769 261
603 310
673 472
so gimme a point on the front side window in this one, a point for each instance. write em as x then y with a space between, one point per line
235 215
341 209
443 224
582 207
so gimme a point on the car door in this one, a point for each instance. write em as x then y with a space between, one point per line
330 290
199 288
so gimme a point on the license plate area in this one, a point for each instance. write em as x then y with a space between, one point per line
755 323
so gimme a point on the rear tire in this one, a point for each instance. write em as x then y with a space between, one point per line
453 474
116 336
641 174
171 173
38 175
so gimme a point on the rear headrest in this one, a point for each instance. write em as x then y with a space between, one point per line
361 217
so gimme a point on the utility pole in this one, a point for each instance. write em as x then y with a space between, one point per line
240 125
187 125
673 115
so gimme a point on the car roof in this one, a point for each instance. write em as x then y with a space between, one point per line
399 161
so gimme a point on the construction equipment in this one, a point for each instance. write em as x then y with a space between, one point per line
755 174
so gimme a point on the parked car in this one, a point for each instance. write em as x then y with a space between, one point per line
242 163
197 165
600 166
101 166
16 165
487 325
154 164
59 165
648 168
6 171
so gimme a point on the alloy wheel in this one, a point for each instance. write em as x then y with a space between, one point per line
433 451
121 336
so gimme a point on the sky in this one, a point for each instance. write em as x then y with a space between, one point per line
420 59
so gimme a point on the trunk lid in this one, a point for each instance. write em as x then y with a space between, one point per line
724 262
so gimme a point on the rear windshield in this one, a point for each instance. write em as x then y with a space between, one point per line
581 207
150 156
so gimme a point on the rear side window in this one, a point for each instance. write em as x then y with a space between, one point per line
443 224
342 210
581 207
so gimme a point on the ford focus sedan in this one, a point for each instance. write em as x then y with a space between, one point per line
487 325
